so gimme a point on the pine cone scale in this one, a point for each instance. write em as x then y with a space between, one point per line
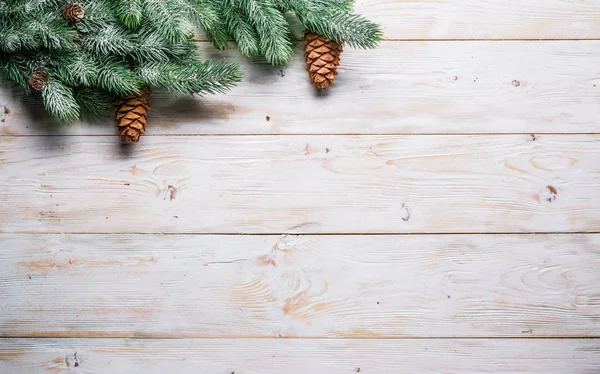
323 49
138 126
131 115
135 102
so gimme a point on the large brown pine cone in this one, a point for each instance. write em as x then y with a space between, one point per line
38 81
73 12
322 59
132 115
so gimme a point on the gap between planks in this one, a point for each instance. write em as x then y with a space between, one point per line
303 134
244 337
442 40
295 233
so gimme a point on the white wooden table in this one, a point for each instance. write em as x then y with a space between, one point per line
438 211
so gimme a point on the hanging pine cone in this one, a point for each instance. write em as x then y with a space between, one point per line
38 81
322 59
73 12
132 115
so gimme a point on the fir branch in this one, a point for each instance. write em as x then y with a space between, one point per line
130 12
340 4
342 26
15 7
98 14
164 16
109 40
77 69
117 78
275 43
166 74
249 20
303 6
205 15
95 102
195 77
53 32
60 102
152 46
16 70
214 76
244 34
37 31
11 40
115 49
288 5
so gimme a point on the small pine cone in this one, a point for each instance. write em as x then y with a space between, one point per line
132 115
322 59
73 12
38 81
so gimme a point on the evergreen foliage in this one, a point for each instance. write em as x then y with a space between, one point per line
260 27
118 47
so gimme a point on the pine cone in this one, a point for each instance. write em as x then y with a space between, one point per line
38 81
322 59
73 12
132 115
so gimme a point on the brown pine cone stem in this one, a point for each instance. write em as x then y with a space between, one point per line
132 115
322 59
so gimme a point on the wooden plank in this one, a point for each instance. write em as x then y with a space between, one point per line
483 19
295 356
301 184
299 286
402 88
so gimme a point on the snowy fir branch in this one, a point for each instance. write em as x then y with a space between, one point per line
259 27
74 56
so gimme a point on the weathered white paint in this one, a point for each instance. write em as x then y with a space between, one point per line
301 184
307 356
401 88
484 19
300 286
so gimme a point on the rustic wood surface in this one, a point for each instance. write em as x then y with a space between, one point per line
445 192
401 88
300 286
306 356
301 184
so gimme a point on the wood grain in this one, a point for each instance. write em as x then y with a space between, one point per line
483 19
300 286
276 356
301 184
402 88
